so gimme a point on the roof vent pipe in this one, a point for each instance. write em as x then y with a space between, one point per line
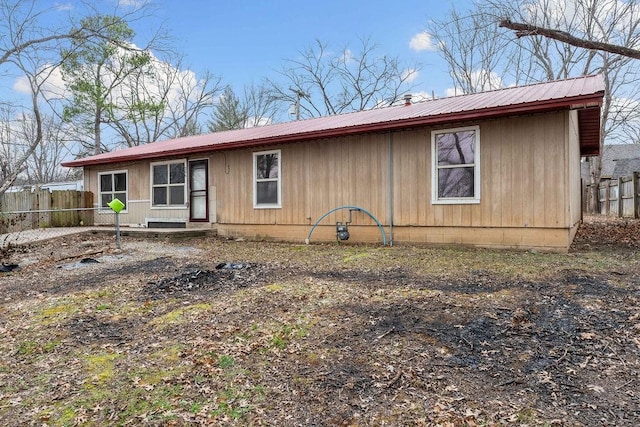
407 99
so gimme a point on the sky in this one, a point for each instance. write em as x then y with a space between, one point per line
245 41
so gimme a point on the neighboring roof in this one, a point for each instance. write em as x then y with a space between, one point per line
613 154
625 167
617 160
582 93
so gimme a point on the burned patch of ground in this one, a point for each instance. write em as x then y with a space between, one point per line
196 280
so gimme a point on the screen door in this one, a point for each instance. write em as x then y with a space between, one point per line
198 194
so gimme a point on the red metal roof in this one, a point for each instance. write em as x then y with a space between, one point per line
578 93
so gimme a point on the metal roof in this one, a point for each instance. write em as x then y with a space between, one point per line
583 93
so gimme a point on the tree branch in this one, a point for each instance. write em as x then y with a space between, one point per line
523 30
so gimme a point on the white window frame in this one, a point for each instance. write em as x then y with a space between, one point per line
100 192
184 185
255 180
435 168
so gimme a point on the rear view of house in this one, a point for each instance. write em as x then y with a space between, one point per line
495 169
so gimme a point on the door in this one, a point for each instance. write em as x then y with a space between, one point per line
198 191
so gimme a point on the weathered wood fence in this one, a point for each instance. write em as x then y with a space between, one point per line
615 197
43 209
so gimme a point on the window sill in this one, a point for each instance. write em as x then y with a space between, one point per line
267 207
456 202
180 207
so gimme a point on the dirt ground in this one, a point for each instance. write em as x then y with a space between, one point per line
216 332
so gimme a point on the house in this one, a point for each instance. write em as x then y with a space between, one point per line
495 169
51 186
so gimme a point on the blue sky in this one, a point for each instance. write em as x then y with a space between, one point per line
244 41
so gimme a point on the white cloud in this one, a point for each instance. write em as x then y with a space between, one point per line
347 56
63 6
410 74
452 91
254 121
21 85
53 87
421 41
480 81
131 3
421 96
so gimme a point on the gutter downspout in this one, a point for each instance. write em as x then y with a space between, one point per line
390 143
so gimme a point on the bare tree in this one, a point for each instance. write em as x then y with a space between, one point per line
35 76
25 47
605 21
161 100
193 98
10 147
523 30
44 163
544 58
322 82
480 58
260 105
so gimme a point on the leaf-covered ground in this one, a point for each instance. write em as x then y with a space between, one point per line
193 332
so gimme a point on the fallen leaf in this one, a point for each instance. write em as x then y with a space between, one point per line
587 335
595 388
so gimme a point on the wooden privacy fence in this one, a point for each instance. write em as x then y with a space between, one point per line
43 209
616 197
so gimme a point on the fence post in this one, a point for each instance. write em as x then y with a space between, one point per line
620 198
35 218
634 188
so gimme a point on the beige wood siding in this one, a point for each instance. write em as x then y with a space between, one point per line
139 208
522 172
529 172
524 184
316 177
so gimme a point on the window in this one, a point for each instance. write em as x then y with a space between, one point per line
113 185
168 184
266 177
456 165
